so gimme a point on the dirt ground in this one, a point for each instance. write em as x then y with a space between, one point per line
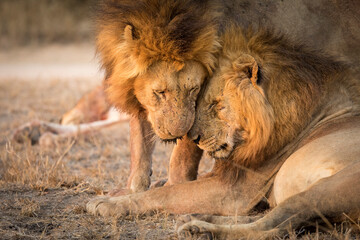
43 191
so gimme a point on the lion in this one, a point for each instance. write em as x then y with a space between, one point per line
90 108
270 101
269 96
156 55
91 113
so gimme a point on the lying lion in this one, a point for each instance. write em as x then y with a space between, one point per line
267 96
270 105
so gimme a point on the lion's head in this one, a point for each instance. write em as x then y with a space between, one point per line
233 111
157 54
264 92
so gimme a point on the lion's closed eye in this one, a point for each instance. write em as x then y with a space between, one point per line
159 94
222 111
194 91
212 105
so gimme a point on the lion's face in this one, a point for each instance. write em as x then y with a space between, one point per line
232 111
169 96
156 55
214 129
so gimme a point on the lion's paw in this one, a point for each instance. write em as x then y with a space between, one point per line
106 206
181 220
197 229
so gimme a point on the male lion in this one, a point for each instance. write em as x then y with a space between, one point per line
281 102
269 96
156 55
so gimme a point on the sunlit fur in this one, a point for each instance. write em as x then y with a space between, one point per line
133 35
292 87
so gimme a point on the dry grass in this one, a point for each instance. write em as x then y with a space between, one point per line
43 192
24 22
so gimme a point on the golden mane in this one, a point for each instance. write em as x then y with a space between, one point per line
295 81
132 35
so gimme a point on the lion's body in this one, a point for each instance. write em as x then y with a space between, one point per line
269 102
302 103
91 107
320 158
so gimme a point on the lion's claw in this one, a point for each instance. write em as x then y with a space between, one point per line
93 204
183 219
108 206
101 206
197 228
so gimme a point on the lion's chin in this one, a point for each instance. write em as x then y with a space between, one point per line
222 152
173 140
219 154
165 136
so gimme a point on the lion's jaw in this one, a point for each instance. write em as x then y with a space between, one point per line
222 145
169 96
233 116
210 131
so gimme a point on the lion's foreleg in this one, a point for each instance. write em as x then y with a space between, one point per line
205 196
142 145
184 161
223 227
224 231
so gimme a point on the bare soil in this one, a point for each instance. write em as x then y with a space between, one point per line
43 191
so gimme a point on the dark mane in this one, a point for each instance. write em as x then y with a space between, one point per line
161 30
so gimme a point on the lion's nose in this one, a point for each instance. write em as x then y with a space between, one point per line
197 140
177 132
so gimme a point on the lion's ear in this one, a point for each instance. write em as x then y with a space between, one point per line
247 65
129 33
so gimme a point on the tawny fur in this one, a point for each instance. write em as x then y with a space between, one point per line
293 87
156 54
291 97
91 107
302 102
132 35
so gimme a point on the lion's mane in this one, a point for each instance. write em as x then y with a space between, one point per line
297 85
132 35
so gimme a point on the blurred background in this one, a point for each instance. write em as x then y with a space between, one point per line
47 38
36 22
